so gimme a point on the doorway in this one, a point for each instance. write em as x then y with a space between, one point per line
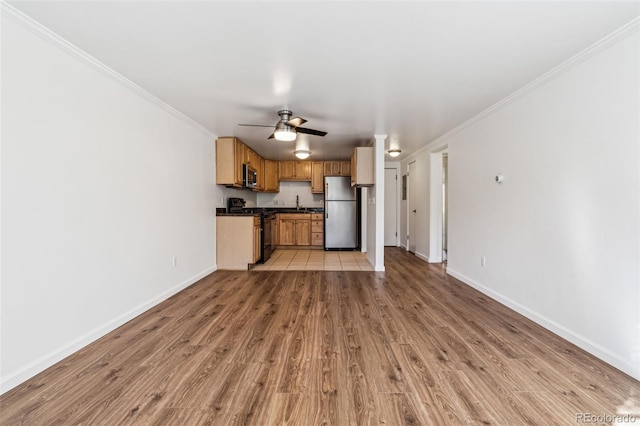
412 198
445 204
390 207
438 208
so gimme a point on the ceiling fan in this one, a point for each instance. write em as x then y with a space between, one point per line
287 128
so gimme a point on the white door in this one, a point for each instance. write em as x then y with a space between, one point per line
390 206
411 204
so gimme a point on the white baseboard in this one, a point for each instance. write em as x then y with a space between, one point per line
422 256
28 371
573 337
402 246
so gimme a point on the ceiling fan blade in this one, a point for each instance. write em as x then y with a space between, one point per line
297 121
310 131
256 125
272 135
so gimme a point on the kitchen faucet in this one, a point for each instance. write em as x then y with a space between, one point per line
297 202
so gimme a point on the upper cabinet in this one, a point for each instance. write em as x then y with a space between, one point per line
317 177
295 170
229 160
362 173
271 180
231 154
337 168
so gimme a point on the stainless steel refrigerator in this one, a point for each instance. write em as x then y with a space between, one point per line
340 213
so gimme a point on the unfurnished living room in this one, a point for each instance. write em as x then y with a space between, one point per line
320 212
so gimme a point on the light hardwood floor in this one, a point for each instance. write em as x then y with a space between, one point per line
408 346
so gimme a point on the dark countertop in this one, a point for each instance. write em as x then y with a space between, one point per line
238 214
255 211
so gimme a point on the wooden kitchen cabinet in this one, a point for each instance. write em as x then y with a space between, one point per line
317 229
303 232
294 170
345 168
286 170
294 229
317 177
229 159
362 167
237 242
271 181
261 175
337 168
287 232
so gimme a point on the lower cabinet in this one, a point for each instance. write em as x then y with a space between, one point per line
303 232
237 242
294 229
287 232
317 229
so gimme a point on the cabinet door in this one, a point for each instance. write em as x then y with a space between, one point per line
287 170
275 238
345 168
261 175
303 232
317 177
271 183
287 232
240 147
362 167
332 168
303 170
317 238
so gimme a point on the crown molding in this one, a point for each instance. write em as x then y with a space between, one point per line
14 15
618 35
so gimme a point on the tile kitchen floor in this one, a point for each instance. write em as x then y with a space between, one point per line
315 260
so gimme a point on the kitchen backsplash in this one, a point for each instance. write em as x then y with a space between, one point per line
287 196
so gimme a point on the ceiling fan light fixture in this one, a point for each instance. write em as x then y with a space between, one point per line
302 154
394 152
284 132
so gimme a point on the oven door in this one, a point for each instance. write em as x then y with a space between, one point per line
266 238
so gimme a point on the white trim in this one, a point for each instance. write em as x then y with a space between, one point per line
577 339
46 34
67 349
597 47
422 256
396 166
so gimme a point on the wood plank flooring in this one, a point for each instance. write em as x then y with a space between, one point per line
409 346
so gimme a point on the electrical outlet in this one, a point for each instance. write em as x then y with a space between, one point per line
175 261
483 261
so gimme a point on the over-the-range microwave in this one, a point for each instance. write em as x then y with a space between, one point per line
249 176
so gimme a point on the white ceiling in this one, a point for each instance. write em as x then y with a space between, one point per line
412 70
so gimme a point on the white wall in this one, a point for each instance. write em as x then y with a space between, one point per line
101 188
287 196
561 235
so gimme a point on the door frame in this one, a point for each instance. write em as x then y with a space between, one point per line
411 165
435 205
396 166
